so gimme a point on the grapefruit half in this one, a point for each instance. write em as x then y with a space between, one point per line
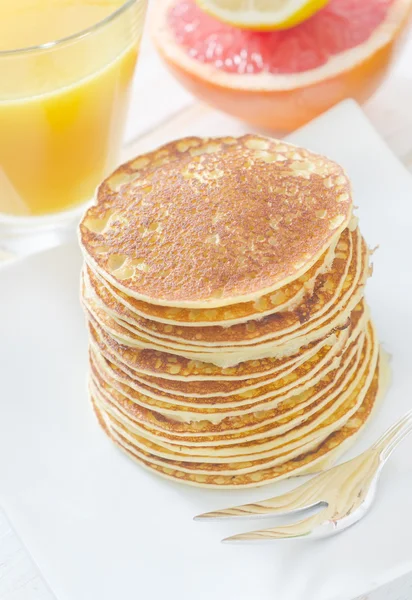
282 79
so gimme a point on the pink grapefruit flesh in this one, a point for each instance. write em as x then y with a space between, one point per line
341 25
281 79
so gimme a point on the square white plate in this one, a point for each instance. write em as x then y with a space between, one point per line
99 527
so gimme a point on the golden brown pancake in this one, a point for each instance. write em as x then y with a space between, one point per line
286 422
173 367
298 465
211 388
315 425
307 374
327 286
222 221
223 287
286 297
281 413
282 342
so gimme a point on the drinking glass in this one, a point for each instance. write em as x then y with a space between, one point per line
63 107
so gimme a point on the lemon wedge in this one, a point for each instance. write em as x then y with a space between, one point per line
262 14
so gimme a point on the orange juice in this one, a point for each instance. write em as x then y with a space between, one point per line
63 106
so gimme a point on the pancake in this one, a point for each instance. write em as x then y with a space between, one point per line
173 367
337 442
215 222
325 359
327 289
289 425
307 375
293 439
281 415
315 362
230 344
213 387
223 356
285 298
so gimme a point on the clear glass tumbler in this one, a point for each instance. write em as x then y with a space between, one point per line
63 107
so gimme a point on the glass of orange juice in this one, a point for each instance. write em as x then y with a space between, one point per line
66 68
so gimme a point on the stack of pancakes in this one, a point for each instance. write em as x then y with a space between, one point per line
223 282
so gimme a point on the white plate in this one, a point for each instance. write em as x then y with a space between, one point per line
99 527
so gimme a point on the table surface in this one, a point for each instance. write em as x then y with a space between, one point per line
162 110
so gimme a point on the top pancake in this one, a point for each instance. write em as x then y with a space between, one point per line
284 298
222 221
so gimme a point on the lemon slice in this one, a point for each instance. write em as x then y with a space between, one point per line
262 14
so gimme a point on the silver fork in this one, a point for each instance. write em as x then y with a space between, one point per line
342 495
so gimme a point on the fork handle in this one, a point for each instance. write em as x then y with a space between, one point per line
393 436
